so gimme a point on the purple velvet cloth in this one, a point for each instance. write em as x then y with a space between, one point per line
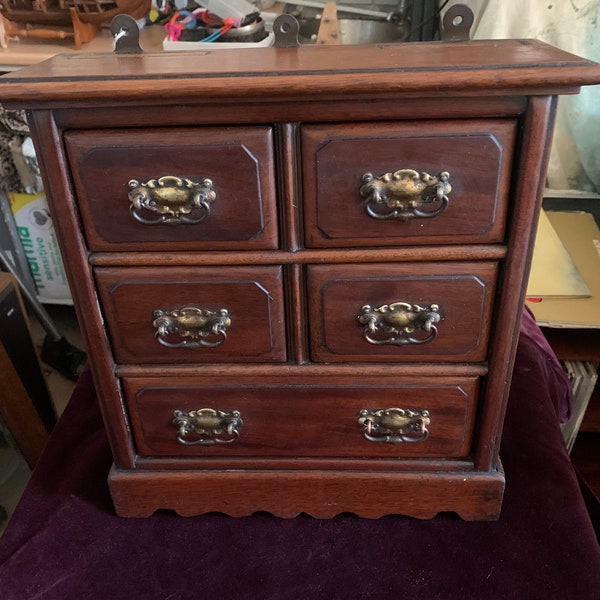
64 541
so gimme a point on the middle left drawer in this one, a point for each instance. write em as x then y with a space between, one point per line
205 188
157 315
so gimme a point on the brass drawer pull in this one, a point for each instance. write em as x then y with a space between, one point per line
400 323
394 425
401 194
191 327
206 426
171 200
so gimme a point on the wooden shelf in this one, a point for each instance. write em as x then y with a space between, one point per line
584 345
29 51
574 344
591 421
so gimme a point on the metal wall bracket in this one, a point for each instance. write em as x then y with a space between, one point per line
457 24
286 28
126 35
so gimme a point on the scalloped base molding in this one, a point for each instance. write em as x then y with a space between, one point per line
473 496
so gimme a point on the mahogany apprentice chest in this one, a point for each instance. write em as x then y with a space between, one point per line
300 271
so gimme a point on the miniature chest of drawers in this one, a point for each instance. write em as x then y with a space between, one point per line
300 271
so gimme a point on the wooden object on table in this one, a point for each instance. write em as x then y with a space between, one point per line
103 11
80 32
329 32
56 20
309 303
25 51
40 12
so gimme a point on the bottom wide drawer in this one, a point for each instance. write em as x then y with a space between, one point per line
404 419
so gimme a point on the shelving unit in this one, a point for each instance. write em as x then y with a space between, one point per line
582 345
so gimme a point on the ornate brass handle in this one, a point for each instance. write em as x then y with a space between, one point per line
191 327
394 425
170 200
400 323
206 426
401 194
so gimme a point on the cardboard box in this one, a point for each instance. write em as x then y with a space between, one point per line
36 231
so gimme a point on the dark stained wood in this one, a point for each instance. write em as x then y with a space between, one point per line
57 185
382 107
274 416
430 466
585 457
476 153
307 117
253 297
574 344
240 166
529 174
591 420
297 325
429 69
475 496
282 373
330 256
289 193
464 291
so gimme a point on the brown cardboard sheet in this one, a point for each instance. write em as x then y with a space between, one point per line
581 238
553 272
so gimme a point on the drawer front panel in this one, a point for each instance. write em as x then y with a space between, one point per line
406 312
177 315
238 209
342 210
299 420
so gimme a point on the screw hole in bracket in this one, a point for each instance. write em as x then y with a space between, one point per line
286 28
457 23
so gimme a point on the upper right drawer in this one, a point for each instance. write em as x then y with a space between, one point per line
390 184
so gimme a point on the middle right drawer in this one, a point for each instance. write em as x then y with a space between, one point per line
390 312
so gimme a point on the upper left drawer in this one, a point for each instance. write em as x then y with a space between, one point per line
175 189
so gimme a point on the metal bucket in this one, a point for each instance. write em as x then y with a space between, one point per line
355 31
254 32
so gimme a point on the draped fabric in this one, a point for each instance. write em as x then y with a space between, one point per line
64 541
573 26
